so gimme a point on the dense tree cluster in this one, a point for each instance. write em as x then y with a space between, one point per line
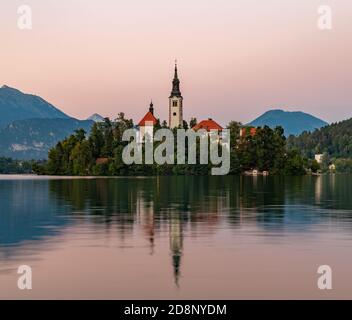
343 165
335 140
101 153
10 166
264 151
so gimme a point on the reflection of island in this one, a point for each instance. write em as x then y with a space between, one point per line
185 206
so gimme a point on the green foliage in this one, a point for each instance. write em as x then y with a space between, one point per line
81 157
100 154
314 166
264 151
334 140
193 122
343 165
294 164
10 166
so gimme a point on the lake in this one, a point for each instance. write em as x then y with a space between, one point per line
176 237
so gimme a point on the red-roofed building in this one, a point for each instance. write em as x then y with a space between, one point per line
149 119
147 124
208 125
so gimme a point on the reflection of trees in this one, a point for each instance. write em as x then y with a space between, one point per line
33 210
151 202
124 195
182 205
335 191
256 198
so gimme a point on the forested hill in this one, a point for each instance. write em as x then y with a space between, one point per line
334 139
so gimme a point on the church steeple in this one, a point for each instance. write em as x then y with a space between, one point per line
176 84
151 108
175 102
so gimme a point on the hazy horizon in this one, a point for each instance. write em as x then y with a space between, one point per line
237 59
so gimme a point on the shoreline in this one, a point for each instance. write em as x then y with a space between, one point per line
6 176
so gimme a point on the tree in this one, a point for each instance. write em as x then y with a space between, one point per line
82 159
157 125
343 165
96 140
294 164
314 166
55 160
80 134
108 138
193 122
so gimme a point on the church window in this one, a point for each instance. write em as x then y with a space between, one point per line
175 113
174 103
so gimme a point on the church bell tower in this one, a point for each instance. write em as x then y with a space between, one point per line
175 103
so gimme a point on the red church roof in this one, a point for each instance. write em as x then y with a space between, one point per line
148 118
208 125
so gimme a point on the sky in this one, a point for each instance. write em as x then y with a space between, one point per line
237 58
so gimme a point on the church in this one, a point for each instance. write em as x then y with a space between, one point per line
175 111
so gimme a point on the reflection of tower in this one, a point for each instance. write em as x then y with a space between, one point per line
176 243
146 213
150 231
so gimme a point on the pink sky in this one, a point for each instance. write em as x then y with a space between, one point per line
237 58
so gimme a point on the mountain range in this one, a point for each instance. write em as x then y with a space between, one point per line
33 138
294 123
31 126
96 118
16 105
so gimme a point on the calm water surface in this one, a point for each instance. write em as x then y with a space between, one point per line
176 237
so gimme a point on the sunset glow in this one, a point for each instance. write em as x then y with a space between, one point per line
236 58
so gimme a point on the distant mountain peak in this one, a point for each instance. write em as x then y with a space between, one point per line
7 88
282 111
96 117
16 105
293 122
276 110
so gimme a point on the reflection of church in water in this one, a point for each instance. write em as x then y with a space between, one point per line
179 221
175 232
